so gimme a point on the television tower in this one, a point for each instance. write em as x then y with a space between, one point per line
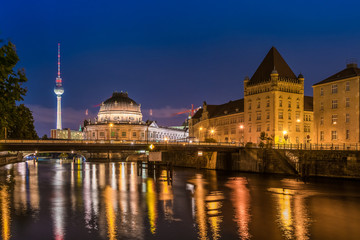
58 90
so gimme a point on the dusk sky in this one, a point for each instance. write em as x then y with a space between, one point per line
169 54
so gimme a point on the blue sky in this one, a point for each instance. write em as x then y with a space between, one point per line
169 54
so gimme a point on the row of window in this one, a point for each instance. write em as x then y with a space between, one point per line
334 88
307 117
280 127
334 135
334 119
334 104
142 134
280 104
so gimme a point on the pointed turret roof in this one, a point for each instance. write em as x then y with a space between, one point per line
272 61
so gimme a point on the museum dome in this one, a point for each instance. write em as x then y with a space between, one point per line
120 108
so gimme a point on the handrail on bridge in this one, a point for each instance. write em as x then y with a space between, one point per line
122 142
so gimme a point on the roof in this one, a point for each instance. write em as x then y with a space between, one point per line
231 107
121 97
272 61
308 103
351 70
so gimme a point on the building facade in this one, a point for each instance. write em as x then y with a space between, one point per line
336 107
274 103
120 118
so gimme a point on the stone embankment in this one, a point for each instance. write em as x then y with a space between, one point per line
304 163
6 158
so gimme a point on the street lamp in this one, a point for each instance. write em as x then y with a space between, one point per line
200 129
110 126
285 136
242 134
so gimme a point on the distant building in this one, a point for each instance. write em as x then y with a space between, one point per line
274 103
66 133
336 107
120 118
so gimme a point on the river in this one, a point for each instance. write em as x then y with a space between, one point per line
59 199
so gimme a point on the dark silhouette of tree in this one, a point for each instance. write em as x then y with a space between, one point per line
15 121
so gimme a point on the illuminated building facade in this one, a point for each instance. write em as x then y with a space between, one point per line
120 118
336 107
274 103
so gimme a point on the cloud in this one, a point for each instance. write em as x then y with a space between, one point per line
166 112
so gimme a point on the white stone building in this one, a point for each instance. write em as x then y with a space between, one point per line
120 118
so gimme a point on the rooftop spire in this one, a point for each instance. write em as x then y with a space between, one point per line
272 62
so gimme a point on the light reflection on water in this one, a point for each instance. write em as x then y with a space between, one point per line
62 199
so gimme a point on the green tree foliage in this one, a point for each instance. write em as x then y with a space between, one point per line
17 121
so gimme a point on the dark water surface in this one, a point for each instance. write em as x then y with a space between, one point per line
57 199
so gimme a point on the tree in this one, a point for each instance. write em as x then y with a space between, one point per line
15 121
265 137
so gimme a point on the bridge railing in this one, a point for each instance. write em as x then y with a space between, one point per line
121 142
314 146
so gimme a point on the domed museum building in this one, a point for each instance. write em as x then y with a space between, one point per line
120 118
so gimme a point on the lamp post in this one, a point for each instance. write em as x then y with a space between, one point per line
242 134
200 129
110 126
285 136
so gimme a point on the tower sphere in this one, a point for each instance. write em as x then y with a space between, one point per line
59 91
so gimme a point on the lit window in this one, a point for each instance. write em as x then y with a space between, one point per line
334 104
281 116
334 88
334 118
347 86
347 118
333 135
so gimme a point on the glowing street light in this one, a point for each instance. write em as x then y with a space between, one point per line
284 132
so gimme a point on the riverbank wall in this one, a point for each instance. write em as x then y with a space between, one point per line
304 163
6 158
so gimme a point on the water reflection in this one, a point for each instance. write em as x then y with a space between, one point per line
292 216
207 207
5 213
240 198
58 203
67 200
